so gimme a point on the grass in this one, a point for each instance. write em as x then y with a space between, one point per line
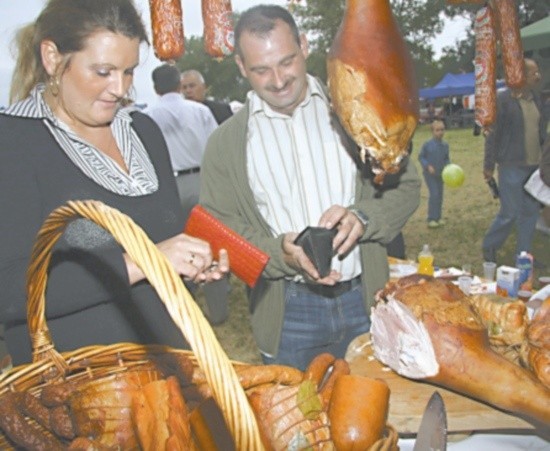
468 211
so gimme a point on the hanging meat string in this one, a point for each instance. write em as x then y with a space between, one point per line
217 17
372 84
167 28
496 22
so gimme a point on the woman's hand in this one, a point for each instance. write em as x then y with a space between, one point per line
191 258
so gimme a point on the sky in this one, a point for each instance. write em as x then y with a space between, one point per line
192 24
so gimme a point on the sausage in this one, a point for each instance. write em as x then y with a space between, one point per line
61 422
217 17
31 406
22 432
358 411
506 16
167 27
318 367
339 368
485 68
57 394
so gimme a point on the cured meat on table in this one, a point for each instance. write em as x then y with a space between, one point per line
426 329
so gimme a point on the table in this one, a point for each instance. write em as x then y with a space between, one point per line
408 398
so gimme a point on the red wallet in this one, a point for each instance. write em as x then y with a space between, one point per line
246 261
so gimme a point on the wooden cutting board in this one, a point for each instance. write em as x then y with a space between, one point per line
408 398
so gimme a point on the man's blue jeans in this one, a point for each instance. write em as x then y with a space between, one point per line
516 207
315 324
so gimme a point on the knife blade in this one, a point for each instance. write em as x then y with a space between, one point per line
432 433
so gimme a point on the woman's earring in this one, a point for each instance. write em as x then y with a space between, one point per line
53 85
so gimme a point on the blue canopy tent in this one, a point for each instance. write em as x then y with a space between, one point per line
452 85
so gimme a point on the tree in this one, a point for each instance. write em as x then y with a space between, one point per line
460 57
419 20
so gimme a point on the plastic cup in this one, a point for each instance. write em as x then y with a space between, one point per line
467 269
465 284
489 269
543 281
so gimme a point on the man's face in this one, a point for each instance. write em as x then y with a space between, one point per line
193 88
275 66
532 74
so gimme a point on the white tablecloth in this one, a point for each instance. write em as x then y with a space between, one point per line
490 442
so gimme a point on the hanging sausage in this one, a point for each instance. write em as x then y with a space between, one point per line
167 27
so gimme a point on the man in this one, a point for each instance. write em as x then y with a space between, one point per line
282 163
515 145
194 88
186 126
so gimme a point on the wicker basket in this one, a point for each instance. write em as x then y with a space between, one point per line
94 362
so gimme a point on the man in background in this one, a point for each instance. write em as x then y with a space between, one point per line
186 126
515 145
194 88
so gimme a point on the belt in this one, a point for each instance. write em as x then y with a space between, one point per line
333 291
187 171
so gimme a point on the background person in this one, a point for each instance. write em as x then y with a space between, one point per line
186 126
282 163
434 156
514 145
66 138
194 88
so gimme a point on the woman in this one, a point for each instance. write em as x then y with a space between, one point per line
66 138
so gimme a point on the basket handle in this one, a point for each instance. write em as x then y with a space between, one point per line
211 358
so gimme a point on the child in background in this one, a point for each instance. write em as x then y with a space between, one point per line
433 157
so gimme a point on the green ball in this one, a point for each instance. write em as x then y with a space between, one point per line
453 175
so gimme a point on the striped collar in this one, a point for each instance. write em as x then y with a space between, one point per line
141 178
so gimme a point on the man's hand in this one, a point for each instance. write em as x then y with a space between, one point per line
350 228
295 257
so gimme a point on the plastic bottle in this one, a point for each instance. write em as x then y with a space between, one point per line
524 262
426 261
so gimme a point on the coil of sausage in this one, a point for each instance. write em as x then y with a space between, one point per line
217 16
485 67
167 27
510 41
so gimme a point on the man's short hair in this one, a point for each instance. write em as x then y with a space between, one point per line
260 20
166 78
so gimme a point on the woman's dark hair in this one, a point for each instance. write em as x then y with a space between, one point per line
260 21
68 23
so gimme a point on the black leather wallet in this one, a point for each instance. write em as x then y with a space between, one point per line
317 245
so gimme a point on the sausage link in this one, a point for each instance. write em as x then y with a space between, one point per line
31 406
506 16
339 368
61 422
485 68
217 17
167 27
20 431
318 367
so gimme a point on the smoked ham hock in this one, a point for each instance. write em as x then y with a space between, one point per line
372 85
425 329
